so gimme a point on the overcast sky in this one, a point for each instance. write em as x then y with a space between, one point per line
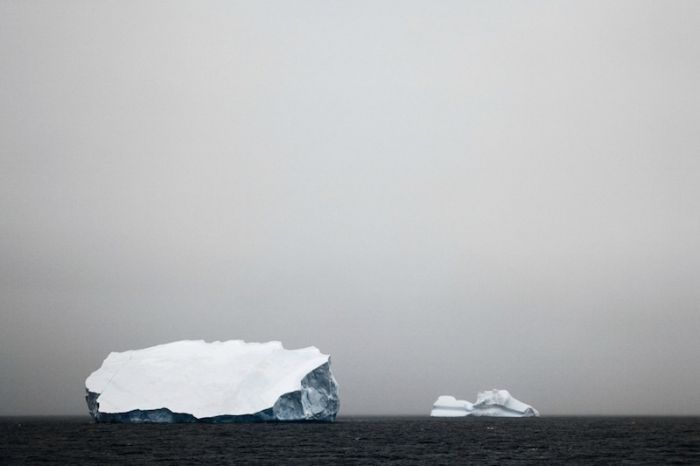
446 196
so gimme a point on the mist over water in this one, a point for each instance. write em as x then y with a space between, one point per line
444 196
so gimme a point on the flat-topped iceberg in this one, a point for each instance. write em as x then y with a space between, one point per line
230 381
497 403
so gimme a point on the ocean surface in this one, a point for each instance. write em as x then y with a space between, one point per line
357 440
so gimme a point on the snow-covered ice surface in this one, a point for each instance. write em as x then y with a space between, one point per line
497 403
230 381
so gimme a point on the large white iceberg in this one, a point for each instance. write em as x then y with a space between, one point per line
497 403
230 381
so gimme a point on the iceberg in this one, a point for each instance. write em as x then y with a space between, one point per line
230 381
496 403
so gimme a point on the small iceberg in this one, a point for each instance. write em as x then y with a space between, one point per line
230 381
494 403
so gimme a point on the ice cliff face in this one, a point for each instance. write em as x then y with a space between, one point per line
498 403
231 381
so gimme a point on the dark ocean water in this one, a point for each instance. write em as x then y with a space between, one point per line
380 440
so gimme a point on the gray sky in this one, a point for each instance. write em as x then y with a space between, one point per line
446 196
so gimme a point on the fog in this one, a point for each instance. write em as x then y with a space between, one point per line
445 196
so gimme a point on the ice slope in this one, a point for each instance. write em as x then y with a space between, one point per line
230 381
